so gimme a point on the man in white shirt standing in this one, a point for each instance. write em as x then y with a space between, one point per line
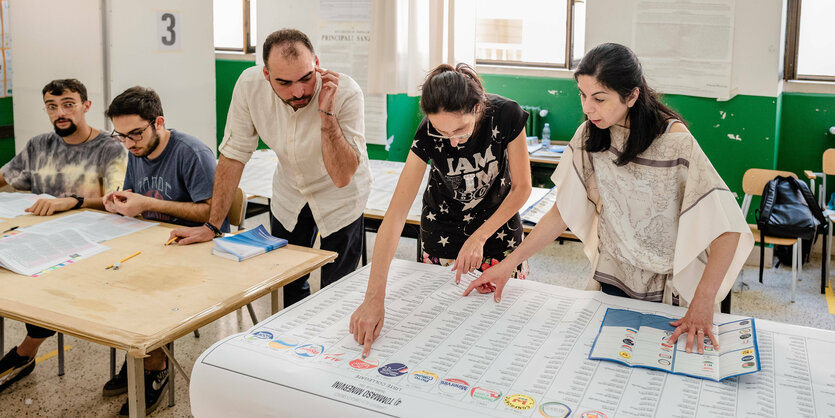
314 121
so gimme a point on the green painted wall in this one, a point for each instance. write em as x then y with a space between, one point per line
226 74
804 132
6 118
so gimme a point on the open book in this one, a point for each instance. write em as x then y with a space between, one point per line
640 340
247 244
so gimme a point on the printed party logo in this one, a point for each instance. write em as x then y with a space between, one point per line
259 336
332 358
519 402
592 414
453 386
309 350
423 379
361 364
484 394
283 343
393 370
554 410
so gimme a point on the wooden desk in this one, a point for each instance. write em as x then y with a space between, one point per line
156 297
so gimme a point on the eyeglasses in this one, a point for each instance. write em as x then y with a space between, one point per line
68 107
135 135
459 137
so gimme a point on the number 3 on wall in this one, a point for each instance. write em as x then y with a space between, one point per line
168 30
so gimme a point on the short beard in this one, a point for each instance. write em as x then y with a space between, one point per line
153 143
309 99
63 133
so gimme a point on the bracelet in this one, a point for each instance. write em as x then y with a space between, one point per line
214 229
327 113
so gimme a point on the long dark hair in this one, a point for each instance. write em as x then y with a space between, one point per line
451 89
616 67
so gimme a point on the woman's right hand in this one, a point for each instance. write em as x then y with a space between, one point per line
496 276
367 322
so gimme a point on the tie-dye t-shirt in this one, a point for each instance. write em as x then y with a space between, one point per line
49 165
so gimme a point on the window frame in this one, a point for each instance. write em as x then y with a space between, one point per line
247 46
792 45
569 50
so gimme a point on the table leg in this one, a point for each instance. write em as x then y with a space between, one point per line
112 363
170 374
274 308
136 386
60 354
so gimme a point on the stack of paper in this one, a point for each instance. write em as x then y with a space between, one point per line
31 253
14 204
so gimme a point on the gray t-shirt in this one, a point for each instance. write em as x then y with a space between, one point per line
49 165
184 172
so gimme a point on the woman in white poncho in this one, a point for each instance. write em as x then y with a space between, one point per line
656 220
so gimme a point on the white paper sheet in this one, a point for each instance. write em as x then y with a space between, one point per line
257 178
13 204
385 175
97 227
440 354
537 210
30 253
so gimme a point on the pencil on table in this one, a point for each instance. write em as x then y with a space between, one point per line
172 240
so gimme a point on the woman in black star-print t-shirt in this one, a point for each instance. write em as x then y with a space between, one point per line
475 144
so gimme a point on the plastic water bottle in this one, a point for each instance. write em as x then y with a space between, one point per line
546 136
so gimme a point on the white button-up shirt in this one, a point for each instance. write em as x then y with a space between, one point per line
296 137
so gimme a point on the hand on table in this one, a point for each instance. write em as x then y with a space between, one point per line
192 235
493 279
697 323
126 203
469 258
367 322
46 207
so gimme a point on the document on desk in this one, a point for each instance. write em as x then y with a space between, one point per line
13 204
641 340
536 211
257 177
441 354
96 226
385 175
30 253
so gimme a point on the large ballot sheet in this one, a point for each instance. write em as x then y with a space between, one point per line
441 354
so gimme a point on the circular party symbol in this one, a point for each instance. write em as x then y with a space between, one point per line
629 330
749 364
663 355
747 351
453 386
554 410
283 343
626 347
592 414
744 323
627 341
309 350
747 358
744 336
664 362
393 370
485 395
519 402
423 379
259 335
625 354
744 331
361 364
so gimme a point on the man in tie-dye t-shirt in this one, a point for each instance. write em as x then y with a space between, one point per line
77 164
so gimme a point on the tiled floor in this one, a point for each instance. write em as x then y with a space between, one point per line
78 392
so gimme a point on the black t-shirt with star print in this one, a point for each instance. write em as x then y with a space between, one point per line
468 183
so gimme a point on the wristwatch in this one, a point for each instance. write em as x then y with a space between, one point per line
214 229
80 200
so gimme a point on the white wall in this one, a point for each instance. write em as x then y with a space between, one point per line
64 39
184 77
279 14
758 31
51 40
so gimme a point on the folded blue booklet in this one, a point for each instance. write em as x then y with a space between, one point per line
640 340
247 244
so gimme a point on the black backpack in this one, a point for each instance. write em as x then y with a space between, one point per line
788 210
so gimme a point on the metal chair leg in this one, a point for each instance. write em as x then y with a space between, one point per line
795 257
252 313
197 333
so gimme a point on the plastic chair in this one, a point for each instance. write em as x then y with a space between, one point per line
828 169
753 182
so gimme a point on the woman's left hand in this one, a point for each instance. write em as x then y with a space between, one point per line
697 324
469 257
